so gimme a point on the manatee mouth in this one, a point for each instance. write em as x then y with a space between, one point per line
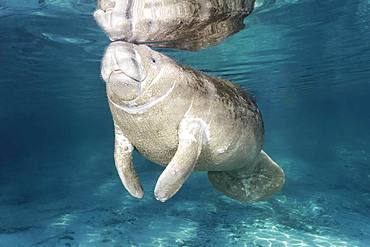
124 86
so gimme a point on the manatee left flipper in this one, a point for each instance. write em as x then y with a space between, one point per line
123 159
191 135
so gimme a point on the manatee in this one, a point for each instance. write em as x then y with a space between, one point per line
183 24
185 121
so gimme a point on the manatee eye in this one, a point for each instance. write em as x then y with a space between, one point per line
153 60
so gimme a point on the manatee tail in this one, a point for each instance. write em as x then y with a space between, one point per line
250 184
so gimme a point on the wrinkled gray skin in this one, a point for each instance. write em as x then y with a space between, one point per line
184 24
185 120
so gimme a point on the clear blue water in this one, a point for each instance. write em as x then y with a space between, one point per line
306 62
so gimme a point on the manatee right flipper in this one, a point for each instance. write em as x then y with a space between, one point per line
191 136
123 159
250 184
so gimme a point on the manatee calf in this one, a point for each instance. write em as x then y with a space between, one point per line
185 120
184 24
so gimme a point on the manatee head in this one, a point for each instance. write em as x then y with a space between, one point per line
129 69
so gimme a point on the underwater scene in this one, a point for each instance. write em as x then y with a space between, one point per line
95 94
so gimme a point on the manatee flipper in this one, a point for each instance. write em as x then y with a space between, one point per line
191 134
123 159
253 183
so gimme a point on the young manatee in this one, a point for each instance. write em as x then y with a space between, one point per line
184 24
185 120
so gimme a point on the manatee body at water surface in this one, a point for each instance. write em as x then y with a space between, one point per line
183 24
185 120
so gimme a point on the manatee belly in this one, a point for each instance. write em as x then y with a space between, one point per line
230 146
158 144
153 132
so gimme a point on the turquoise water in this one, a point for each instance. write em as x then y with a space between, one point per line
305 61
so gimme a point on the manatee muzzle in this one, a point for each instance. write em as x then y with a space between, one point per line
127 72
124 86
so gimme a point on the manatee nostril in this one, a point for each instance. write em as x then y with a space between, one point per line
106 4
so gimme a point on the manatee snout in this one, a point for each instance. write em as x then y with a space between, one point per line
123 70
